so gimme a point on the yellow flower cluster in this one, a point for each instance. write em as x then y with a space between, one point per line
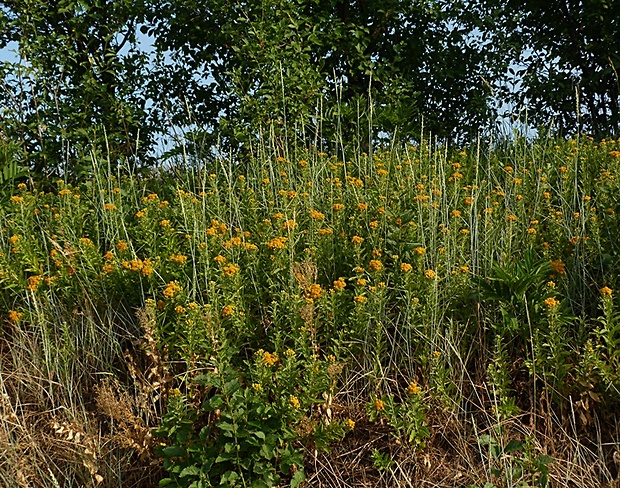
339 284
558 267
15 316
216 228
231 269
171 289
413 388
316 215
277 243
138 265
294 401
269 359
178 258
551 302
314 291
34 282
228 311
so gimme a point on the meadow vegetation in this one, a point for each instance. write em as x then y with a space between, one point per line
415 315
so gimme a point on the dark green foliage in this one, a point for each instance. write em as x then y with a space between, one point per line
563 56
328 71
76 85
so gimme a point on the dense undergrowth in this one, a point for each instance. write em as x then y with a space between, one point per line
418 315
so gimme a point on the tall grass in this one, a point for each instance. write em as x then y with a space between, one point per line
426 314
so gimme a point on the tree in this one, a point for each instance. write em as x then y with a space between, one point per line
333 66
565 58
75 86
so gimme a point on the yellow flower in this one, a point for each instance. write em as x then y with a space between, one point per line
362 282
349 424
455 213
373 224
277 243
430 274
294 401
314 291
606 291
551 302
558 267
107 268
405 267
227 311
375 265
15 316
413 388
360 299
338 206
316 215
147 268
141 213
379 405
531 231
231 269
512 218
339 284
171 289
179 309
289 225
16 199
178 258
109 206
325 231
34 282
121 246
357 240
362 206
165 223
269 359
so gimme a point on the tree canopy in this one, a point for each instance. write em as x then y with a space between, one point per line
322 71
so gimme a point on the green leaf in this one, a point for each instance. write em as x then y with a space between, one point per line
190 471
513 446
298 478
172 451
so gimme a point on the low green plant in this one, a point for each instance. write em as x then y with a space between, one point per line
250 428
515 464
407 418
